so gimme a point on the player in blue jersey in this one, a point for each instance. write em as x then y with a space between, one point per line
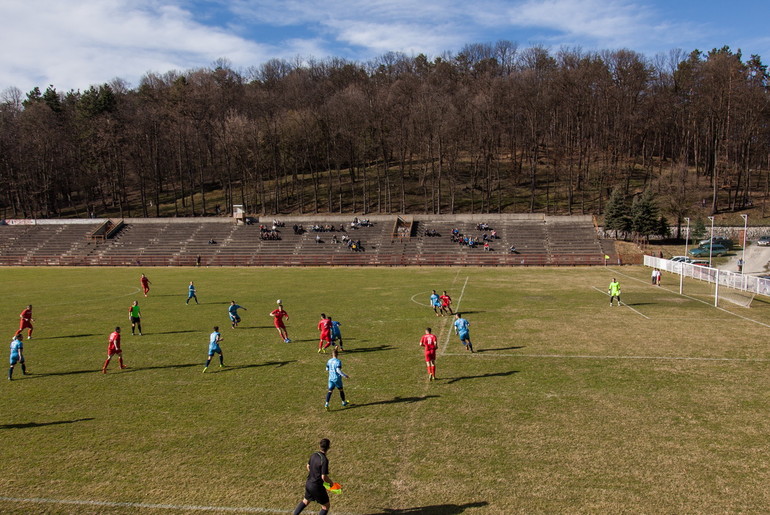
233 312
17 355
336 334
463 332
214 348
334 367
435 303
191 293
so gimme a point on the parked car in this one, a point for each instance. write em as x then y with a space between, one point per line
699 262
718 240
683 259
764 241
716 250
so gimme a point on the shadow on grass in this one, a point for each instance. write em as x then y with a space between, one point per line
368 349
172 332
436 509
450 380
395 400
501 348
276 364
638 303
68 336
41 424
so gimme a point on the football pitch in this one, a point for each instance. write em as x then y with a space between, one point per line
568 405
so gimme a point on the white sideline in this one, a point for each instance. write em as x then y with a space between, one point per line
141 505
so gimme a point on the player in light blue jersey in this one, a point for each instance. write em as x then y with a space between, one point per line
233 312
336 334
435 303
17 355
334 367
462 329
214 348
191 293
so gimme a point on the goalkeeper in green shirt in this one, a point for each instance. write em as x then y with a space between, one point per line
614 291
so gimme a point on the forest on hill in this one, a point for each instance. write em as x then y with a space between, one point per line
494 128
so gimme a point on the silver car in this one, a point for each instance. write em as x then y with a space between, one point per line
764 241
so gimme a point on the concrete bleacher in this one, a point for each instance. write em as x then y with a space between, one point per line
539 240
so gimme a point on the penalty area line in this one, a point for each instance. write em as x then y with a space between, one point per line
624 304
578 356
148 506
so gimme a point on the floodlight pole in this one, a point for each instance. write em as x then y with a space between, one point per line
687 236
711 243
743 254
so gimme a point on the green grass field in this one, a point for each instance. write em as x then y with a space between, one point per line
569 406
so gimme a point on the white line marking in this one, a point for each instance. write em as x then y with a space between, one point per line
148 506
442 351
417 302
623 303
566 356
693 298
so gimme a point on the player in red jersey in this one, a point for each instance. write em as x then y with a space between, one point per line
114 348
325 327
278 315
430 343
145 284
25 322
446 303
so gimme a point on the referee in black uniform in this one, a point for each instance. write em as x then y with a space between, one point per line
317 475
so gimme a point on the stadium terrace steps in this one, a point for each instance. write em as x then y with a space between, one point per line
538 241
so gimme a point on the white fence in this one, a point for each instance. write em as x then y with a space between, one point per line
741 282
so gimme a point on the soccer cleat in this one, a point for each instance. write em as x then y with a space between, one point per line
123 367
345 403
319 350
221 365
326 404
204 369
287 340
104 371
29 337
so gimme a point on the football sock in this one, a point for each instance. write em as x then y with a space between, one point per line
23 368
120 361
29 333
301 506
328 396
208 362
323 512
342 395
10 372
470 346
221 359
106 362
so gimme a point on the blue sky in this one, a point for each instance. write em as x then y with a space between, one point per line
75 44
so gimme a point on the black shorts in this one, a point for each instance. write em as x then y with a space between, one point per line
316 493
135 320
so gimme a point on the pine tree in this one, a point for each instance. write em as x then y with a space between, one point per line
644 215
616 214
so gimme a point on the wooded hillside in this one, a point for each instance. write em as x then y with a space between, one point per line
493 128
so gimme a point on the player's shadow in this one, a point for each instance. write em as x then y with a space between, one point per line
70 336
450 380
156 367
395 400
276 364
173 332
436 509
501 348
369 349
26 425
638 303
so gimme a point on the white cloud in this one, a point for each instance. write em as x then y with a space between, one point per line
75 45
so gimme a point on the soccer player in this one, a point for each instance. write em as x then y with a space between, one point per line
446 303
325 327
235 319
463 332
214 339
430 343
435 303
25 322
336 334
334 367
614 291
113 347
191 293
17 355
145 284
135 316
278 315
317 475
